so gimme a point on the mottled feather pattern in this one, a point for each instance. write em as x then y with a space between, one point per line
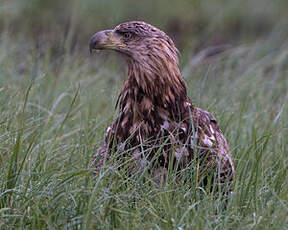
154 109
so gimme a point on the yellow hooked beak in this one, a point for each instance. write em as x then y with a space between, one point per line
105 39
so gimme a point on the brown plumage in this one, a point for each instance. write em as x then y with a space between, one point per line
155 113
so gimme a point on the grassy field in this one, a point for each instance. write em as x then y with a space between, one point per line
53 113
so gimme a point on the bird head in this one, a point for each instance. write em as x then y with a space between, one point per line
137 40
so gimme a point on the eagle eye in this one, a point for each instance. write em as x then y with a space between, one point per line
127 35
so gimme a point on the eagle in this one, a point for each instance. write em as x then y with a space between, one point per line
157 124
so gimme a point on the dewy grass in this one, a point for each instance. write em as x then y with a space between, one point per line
49 131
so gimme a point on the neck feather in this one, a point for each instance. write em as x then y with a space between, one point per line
150 86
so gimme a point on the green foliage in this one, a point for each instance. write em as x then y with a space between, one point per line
53 119
55 102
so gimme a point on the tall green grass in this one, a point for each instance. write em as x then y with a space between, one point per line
53 113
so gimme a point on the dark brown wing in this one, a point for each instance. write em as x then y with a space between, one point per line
197 134
213 142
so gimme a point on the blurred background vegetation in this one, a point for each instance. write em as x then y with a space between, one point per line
192 24
55 30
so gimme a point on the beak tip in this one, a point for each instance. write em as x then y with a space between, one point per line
99 41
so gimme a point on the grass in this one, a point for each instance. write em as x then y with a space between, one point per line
53 113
